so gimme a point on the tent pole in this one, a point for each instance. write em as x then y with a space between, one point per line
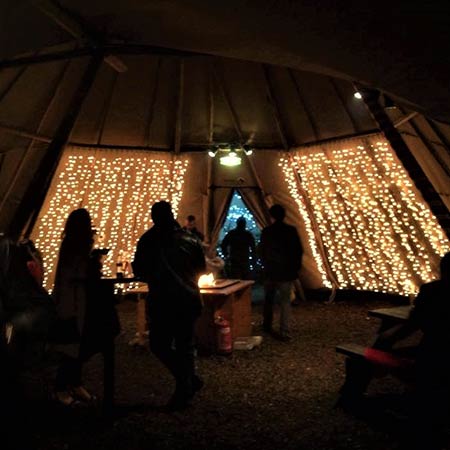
180 99
445 142
31 202
152 103
402 151
430 148
274 107
30 146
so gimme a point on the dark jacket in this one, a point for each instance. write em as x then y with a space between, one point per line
281 252
170 260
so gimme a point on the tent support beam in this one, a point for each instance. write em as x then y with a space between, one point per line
12 83
106 107
34 196
430 148
411 165
405 119
312 122
151 109
274 107
210 105
30 146
344 104
25 134
180 100
226 97
111 49
77 29
445 142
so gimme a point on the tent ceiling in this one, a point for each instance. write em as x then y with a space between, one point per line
402 50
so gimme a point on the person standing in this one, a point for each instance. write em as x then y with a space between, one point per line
190 226
281 254
70 294
170 261
238 247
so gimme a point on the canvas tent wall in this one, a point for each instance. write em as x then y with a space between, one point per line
276 75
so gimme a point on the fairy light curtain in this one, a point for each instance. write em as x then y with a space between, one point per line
356 198
118 189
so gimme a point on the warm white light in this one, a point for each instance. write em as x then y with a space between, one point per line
230 160
206 280
211 153
117 190
357 95
248 152
377 232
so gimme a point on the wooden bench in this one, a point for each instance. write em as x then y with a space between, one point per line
351 350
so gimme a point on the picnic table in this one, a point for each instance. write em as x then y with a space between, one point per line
390 317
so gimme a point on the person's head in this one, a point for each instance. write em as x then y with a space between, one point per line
78 227
277 212
241 223
162 214
190 222
445 267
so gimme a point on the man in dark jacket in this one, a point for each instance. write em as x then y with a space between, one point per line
170 261
281 254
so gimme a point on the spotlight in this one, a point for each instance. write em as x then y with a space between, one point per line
357 95
247 150
212 153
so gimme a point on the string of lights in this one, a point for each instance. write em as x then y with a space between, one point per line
378 232
117 190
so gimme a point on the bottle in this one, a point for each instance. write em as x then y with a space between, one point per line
119 265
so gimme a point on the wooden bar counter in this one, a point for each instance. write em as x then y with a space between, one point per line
232 302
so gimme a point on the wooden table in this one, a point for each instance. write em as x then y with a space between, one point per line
232 302
390 317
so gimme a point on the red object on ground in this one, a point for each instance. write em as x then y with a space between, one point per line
386 359
224 340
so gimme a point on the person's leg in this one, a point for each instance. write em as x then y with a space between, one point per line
269 292
161 337
285 290
187 382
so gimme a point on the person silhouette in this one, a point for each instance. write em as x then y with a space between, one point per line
238 247
281 254
170 261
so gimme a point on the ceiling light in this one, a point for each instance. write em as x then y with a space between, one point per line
212 153
230 160
357 95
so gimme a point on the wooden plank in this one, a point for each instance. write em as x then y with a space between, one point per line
398 313
351 349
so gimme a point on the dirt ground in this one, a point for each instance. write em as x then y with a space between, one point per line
276 396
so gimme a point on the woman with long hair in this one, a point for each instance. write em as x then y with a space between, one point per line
70 295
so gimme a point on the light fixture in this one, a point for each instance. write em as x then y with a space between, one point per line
212 153
357 95
247 150
231 159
